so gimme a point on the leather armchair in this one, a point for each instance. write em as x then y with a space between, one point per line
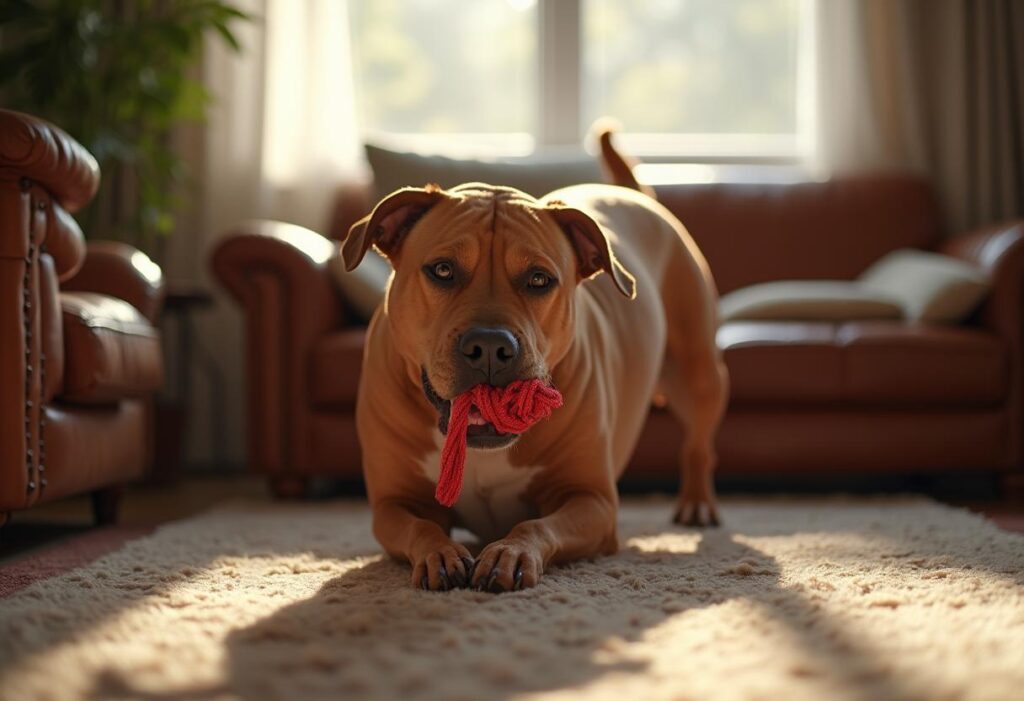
277 273
80 355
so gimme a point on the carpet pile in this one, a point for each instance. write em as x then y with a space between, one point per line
794 599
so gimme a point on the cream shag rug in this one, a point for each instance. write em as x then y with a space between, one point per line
789 600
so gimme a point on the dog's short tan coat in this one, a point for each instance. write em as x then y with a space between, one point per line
644 323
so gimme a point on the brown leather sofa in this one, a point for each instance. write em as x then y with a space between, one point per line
806 397
80 356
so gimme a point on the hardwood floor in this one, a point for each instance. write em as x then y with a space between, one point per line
142 507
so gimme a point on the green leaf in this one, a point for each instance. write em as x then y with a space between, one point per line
228 36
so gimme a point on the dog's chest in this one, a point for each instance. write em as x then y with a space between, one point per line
491 502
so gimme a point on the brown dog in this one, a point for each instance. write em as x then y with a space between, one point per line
487 289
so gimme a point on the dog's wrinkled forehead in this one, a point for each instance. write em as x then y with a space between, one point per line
493 193
490 208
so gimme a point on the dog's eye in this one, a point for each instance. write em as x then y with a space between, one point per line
539 280
441 271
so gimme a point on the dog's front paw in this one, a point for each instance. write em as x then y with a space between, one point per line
507 565
445 567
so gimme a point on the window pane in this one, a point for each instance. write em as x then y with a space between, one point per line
445 66
692 66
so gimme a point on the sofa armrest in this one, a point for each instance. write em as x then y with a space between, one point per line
119 270
56 176
999 251
44 176
277 273
34 149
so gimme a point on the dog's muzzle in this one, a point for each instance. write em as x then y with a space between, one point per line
480 434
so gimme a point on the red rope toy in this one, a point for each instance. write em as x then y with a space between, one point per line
511 409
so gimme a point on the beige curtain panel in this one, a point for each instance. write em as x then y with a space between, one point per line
935 86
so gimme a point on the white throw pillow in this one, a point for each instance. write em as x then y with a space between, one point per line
808 300
929 286
363 288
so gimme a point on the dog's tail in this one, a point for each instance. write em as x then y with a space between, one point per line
617 167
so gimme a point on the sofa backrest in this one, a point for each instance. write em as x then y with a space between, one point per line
812 230
754 233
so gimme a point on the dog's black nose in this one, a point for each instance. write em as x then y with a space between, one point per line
492 354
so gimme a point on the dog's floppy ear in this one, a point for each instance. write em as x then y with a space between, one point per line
593 252
388 223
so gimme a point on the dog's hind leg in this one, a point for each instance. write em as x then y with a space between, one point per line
697 393
694 379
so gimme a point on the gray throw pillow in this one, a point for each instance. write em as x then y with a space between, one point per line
534 175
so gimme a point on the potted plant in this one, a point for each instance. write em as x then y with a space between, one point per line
119 76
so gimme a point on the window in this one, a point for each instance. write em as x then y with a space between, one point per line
438 69
712 80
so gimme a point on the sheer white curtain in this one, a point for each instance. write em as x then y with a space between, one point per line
282 133
932 86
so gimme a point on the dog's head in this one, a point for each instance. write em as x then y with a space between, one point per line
483 290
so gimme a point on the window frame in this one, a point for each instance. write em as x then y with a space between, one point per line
558 122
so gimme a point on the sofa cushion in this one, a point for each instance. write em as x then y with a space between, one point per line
879 363
534 175
335 366
110 350
930 287
769 361
922 364
820 300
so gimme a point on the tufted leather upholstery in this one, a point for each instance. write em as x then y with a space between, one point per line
77 369
34 149
806 397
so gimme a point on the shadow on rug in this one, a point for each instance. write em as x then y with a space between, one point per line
850 599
